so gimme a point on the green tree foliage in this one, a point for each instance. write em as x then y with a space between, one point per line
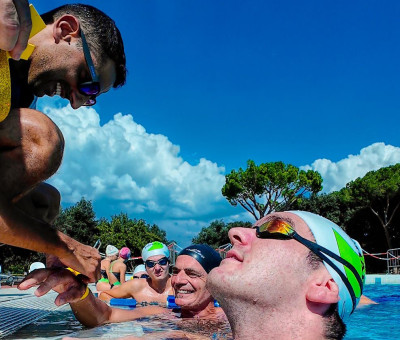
17 260
379 192
269 187
331 206
79 222
216 234
122 231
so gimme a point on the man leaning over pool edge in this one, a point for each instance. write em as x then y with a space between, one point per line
63 63
295 275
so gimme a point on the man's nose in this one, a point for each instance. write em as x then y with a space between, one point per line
77 100
241 236
181 278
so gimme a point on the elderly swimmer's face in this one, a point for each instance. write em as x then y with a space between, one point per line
157 272
189 283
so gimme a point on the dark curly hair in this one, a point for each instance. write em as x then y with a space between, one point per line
101 33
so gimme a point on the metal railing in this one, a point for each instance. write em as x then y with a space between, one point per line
393 261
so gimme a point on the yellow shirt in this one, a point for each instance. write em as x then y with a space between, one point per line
5 86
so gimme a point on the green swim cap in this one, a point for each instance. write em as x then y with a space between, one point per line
327 234
154 248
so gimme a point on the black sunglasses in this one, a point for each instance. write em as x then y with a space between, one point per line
162 262
279 229
89 88
143 276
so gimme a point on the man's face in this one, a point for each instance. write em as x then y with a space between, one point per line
157 272
58 69
268 272
189 283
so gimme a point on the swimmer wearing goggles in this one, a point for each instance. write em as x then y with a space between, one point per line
281 229
162 262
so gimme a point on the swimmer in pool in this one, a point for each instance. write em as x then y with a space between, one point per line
295 275
118 267
140 272
189 280
104 282
189 276
157 287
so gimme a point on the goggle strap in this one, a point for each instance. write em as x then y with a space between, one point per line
342 276
332 255
88 57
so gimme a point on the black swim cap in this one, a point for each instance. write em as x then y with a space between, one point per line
204 254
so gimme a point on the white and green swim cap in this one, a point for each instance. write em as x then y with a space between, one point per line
154 248
328 235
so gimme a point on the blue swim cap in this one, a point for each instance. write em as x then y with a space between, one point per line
204 254
327 234
154 248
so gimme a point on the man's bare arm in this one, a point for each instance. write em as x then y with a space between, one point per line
125 290
20 230
89 310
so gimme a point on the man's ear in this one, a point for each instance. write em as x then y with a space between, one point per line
66 28
323 290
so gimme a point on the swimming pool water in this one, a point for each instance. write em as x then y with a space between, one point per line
373 322
377 322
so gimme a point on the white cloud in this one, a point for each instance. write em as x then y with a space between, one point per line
123 168
140 172
337 175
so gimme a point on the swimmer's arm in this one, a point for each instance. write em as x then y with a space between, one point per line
88 310
20 230
122 315
125 290
173 334
92 312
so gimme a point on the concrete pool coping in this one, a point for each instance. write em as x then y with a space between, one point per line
384 279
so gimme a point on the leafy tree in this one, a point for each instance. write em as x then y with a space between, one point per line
379 192
331 206
79 222
122 231
269 187
216 234
17 260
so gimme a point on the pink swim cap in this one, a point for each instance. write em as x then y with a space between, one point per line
125 253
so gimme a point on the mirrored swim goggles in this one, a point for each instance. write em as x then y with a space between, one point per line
143 276
282 230
162 262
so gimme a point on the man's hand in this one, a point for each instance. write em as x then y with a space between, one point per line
84 259
15 26
61 280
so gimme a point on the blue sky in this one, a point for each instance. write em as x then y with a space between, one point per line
212 84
